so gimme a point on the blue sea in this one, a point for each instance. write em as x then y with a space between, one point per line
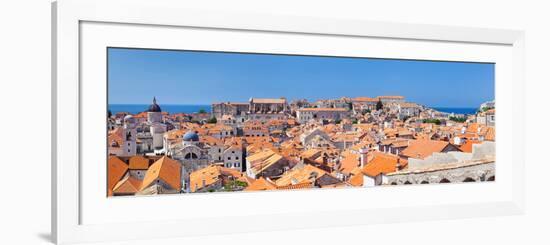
456 110
172 109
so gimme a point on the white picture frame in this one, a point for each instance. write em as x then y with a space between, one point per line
70 196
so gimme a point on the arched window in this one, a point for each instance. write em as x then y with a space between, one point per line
191 155
424 182
444 180
393 183
407 182
468 180
492 178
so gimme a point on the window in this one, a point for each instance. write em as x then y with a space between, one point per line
228 158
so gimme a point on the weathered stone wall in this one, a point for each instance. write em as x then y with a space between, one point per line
468 173
479 151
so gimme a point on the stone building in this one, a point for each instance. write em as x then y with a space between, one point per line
129 136
316 138
450 167
391 99
267 109
304 115
234 109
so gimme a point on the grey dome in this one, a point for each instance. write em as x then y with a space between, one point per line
190 136
154 107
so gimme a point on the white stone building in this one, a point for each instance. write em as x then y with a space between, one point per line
305 115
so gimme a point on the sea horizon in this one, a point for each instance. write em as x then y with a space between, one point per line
194 108
170 108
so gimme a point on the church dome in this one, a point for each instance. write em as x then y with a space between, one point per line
154 107
190 136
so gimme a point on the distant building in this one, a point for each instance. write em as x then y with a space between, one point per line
267 109
318 114
364 104
391 99
234 109
486 118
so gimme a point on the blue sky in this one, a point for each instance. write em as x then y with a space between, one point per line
186 77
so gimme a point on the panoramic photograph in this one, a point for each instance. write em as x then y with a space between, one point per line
183 122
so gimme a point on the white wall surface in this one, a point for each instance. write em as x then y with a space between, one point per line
25 94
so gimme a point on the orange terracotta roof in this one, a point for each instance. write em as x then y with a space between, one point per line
349 162
116 168
382 163
263 160
166 169
391 97
138 162
488 133
304 185
356 180
364 99
300 174
175 134
311 153
268 101
128 185
261 184
468 145
141 115
204 177
323 109
421 149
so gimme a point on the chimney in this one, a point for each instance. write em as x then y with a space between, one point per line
397 165
364 156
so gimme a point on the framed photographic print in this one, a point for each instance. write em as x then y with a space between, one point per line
235 122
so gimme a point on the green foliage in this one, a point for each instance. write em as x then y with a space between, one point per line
484 109
435 121
457 119
233 185
354 121
212 120
337 121
109 114
202 111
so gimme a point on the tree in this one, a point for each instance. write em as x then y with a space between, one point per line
379 105
109 114
457 119
435 121
212 120
202 111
